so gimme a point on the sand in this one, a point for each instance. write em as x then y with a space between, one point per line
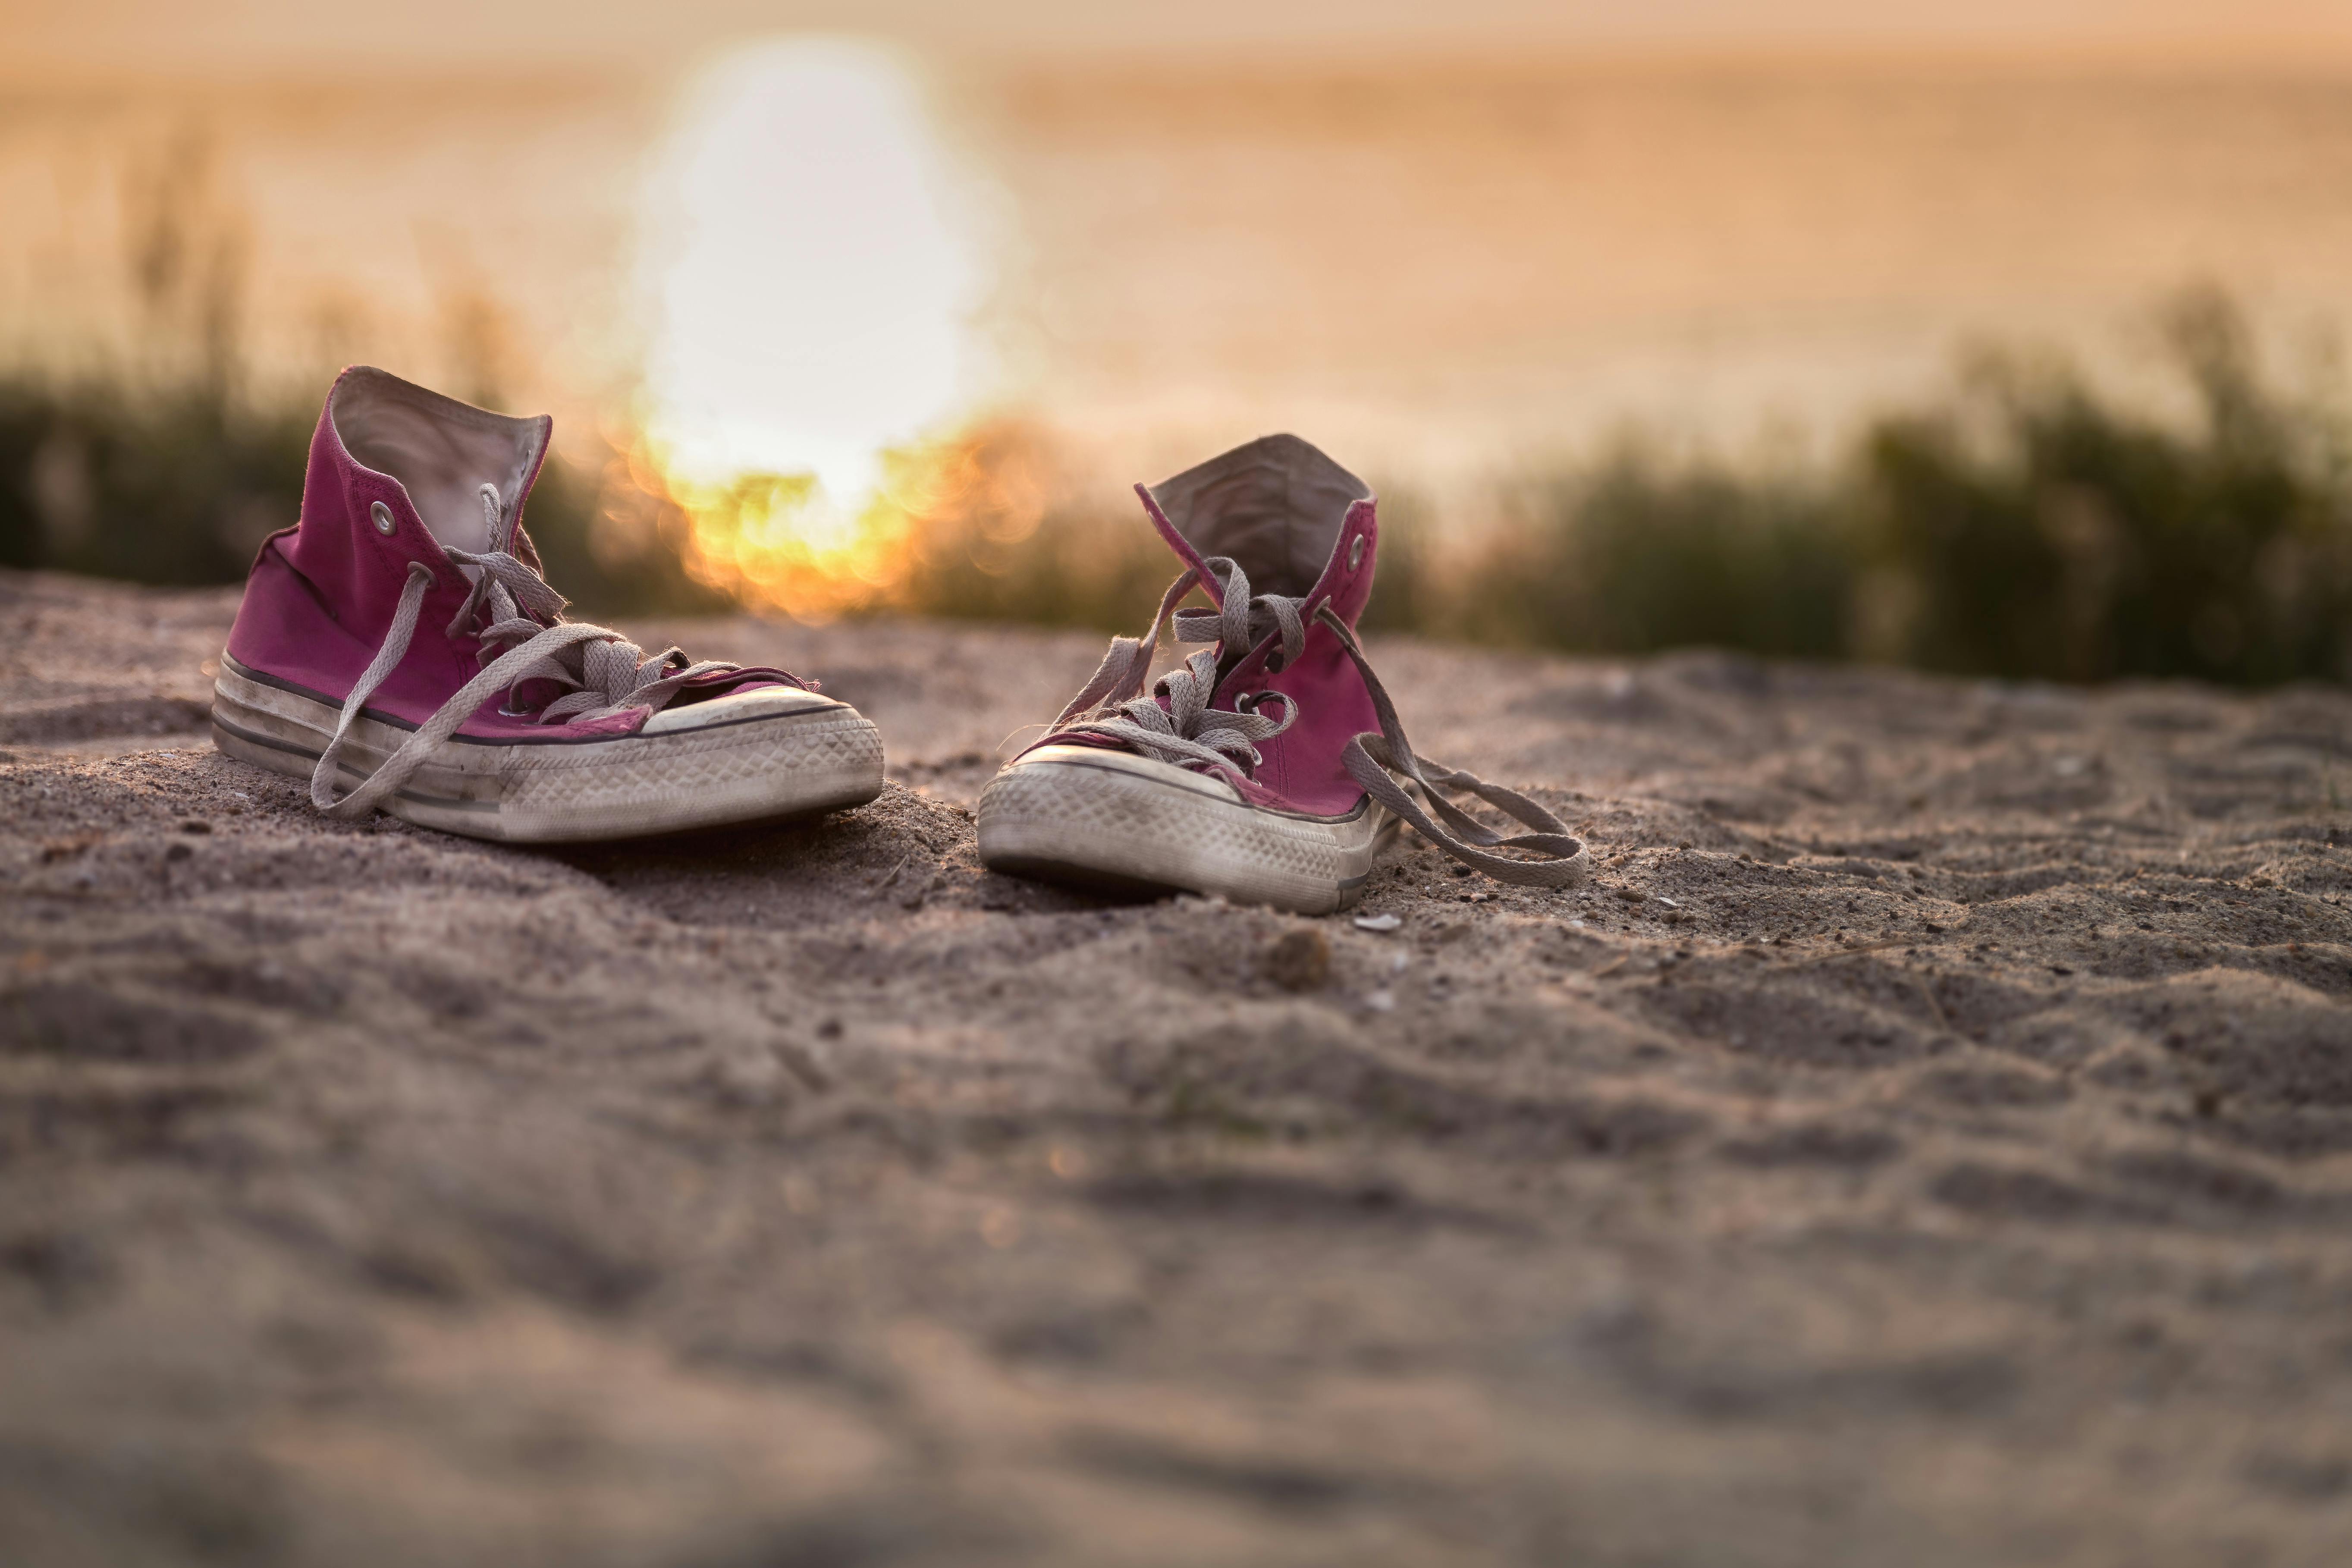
1928 1139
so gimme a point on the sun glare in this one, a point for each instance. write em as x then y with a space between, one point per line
810 286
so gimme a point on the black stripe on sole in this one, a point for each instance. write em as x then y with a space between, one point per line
272 743
393 720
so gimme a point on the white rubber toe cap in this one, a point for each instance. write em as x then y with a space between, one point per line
736 708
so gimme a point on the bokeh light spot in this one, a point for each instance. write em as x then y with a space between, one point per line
810 286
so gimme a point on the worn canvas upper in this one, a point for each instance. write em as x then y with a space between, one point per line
322 595
1291 519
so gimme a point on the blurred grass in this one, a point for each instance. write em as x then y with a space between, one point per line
171 471
2032 530
180 488
2025 525
176 488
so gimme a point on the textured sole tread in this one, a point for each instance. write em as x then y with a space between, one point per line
1122 829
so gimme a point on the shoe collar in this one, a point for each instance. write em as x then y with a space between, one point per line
1294 521
436 453
1276 505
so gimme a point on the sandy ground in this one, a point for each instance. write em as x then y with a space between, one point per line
1928 1141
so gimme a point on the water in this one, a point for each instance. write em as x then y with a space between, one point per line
1432 271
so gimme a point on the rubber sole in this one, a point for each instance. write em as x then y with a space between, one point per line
1112 820
790 756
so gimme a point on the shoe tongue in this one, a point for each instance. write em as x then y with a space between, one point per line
1276 506
441 450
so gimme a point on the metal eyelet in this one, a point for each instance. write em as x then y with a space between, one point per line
381 515
1355 552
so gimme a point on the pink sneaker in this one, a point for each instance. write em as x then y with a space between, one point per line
1270 768
399 642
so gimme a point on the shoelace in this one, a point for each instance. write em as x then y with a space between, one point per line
516 605
1190 733
1188 730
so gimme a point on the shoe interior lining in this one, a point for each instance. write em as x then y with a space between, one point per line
440 450
1276 506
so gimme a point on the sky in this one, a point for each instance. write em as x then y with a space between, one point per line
54 39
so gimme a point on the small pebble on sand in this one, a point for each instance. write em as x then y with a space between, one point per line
1297 960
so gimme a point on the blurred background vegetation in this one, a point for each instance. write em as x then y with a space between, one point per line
2023 526
180 488
2030 520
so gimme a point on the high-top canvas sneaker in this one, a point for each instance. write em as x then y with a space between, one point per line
1271 767
399 648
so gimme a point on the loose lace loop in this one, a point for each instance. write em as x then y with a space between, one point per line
1175 724
1374 761
1240 623
1187 730
507 603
